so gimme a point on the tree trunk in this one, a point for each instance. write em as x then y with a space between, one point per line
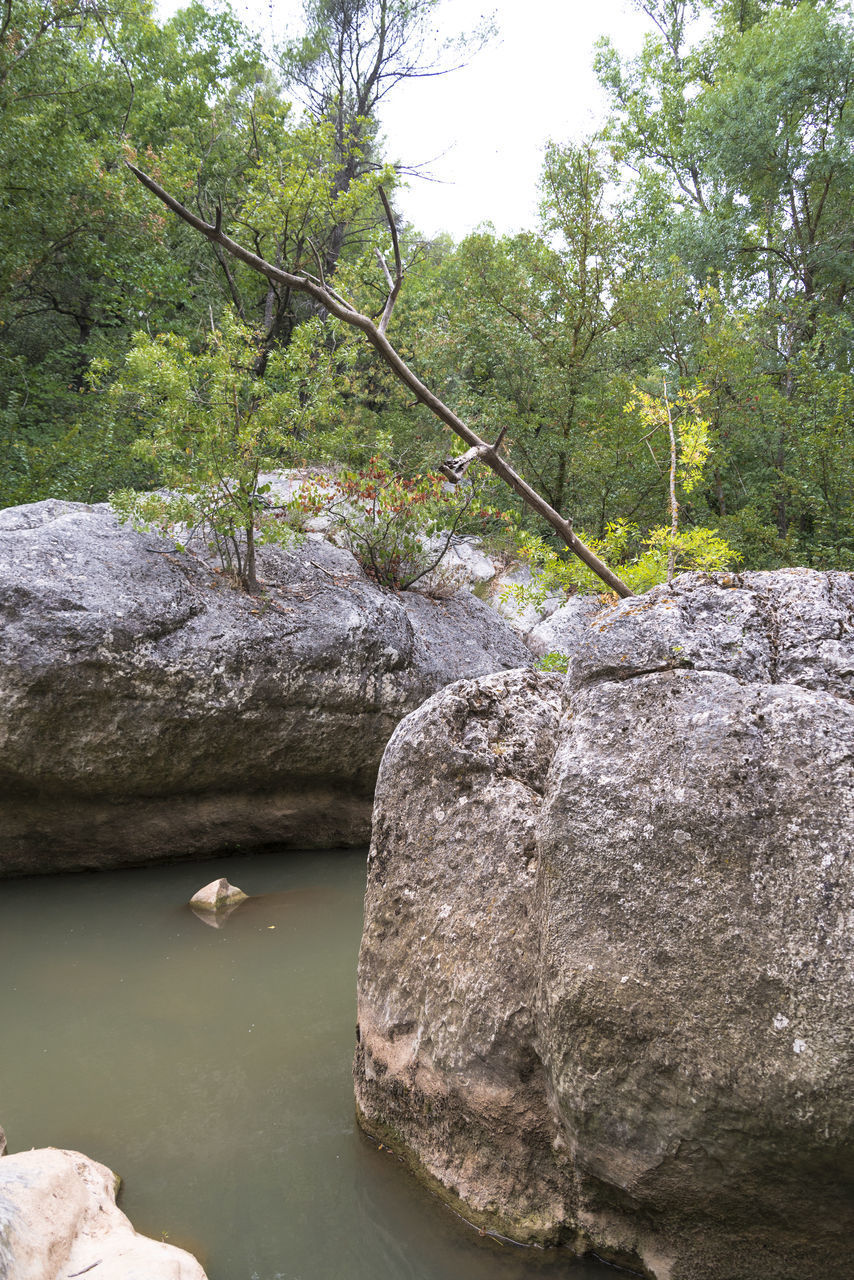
250 580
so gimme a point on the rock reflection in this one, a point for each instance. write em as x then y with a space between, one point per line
269 908
216 919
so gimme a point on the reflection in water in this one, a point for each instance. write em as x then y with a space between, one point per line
211 1069
214 918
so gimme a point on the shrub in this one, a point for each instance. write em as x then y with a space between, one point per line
212 426
398 528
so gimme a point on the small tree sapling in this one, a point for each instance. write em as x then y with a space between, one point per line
214 426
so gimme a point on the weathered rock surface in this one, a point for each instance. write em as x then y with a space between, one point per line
215 903
58 1217
685 1004
148 710
564 629
445 1064
216 895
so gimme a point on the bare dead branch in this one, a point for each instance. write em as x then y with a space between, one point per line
318 260
381 260
454 469
394 285
502 433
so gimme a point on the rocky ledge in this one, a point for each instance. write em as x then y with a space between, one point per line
605 984
149 710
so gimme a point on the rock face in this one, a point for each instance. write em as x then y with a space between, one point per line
683 1010
564 630
58 1217
445 1067
148 710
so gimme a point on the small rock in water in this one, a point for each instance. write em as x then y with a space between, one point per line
59 1210
216 895
2 1142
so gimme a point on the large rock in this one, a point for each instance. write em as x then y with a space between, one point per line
685 1004
148 709
58 1217
446 1071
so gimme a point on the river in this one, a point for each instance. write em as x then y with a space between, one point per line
211 1069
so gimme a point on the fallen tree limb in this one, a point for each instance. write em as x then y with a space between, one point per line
332 302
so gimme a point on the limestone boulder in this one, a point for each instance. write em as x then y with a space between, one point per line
446 1069
58 1217
686 1014
149 710
522 617
217 895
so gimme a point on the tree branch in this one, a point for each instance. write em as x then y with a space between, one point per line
394 285
378 340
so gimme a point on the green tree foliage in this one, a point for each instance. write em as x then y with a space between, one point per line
702 238
83 257
676 431
741 145
536 333
351 56
212 425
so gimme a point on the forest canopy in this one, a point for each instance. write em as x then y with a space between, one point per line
693 260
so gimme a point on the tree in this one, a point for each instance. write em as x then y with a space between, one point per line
82 260
375 333
352 54
742 148
688 452
213 425
532 329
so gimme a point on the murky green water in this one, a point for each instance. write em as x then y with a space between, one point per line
211 1069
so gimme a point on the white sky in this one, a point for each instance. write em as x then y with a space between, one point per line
484 127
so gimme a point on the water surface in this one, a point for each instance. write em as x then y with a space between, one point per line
211 1069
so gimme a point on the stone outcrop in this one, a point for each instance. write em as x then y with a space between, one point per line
467 564
647 1018
564 630
58 1217
149 710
